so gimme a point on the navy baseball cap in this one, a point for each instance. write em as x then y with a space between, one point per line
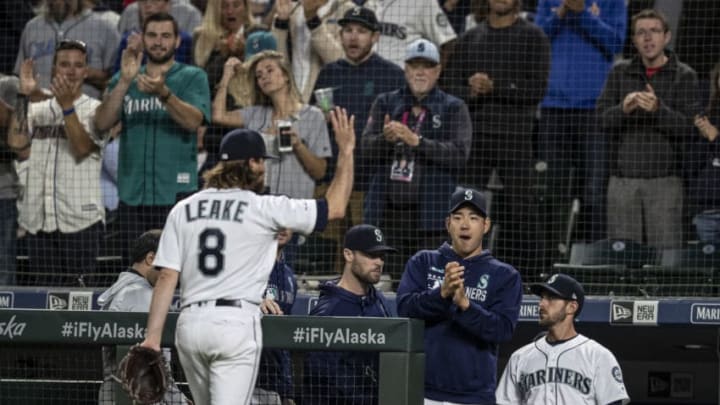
469 196
563 286
366 238
361 15
422 49
259 41
243 144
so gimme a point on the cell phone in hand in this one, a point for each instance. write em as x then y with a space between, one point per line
284 142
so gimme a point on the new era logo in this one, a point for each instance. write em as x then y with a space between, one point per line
620 312
58 301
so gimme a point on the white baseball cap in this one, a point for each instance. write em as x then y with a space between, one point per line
422 49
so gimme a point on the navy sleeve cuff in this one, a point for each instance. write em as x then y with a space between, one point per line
322 215
282 24
313 23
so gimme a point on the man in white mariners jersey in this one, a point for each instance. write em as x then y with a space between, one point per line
563 367
222 242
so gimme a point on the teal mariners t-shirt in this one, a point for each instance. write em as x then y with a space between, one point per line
158 158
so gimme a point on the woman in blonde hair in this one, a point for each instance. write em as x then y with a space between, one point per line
275 98
219 37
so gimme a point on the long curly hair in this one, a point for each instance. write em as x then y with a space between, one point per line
234 174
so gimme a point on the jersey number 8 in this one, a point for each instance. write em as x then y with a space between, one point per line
211 259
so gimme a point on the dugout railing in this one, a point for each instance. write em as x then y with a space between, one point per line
71 335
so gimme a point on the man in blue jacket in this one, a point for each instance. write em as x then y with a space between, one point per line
584 37
470 302
416 141
350 377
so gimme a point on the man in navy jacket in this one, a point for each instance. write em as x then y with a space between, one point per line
275 376
350 377
416 141
470 303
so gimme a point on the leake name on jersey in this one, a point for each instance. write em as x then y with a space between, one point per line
222 210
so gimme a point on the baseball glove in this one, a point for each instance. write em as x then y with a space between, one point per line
143 374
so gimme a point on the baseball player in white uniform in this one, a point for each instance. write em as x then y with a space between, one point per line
562 367
221 242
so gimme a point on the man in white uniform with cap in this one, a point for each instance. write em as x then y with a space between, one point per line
221 242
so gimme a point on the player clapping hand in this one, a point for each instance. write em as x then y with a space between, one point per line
453 279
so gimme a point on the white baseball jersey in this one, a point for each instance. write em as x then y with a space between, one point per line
224 244
404 21
579 371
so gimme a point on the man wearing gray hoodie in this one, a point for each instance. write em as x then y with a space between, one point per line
132 292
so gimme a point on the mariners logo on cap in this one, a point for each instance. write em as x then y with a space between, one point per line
421 47
468 195
378 235
552 279
356 11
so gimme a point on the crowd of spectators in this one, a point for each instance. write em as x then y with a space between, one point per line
112 109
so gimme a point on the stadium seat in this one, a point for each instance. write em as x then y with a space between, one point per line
700 255
604 267
690 271
606 252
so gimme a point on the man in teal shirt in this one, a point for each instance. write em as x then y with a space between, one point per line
160 106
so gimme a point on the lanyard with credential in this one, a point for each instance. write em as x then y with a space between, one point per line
418 123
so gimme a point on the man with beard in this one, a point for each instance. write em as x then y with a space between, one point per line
67 19
133 38
470 302
350 377
562 364
222 243
160 105
356 80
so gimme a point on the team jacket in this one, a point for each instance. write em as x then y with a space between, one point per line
442 153
461 348
275 364
343 377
